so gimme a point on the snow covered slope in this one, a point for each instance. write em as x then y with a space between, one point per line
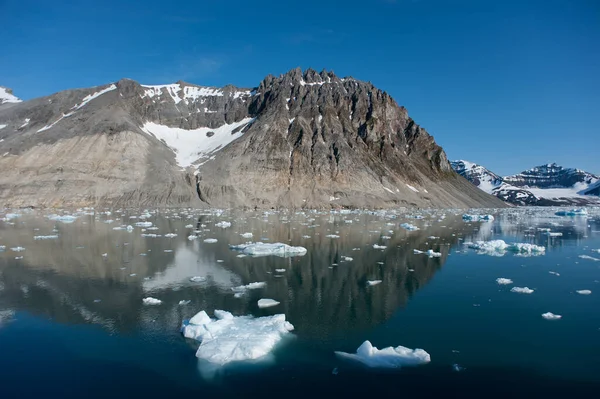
6 96
544 185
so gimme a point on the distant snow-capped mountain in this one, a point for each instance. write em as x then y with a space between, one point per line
543 185
7 96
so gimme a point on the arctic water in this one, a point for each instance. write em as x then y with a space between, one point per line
92 302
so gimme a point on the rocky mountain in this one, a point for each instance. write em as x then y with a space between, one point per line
302 139
543 185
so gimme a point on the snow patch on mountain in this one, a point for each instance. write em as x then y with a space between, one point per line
6 96
191 145
179 92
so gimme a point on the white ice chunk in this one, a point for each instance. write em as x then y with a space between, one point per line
504 281
251 286
409 227
233 339
246 235
63 218
50 237
223 224
210 240
589 258
198 279
373 282
521 290
267 303
151 301
499 247
170 235
387 357
266 249
551 316
375 246
583 292
143 224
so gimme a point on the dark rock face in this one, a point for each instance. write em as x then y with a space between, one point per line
551 176
314 140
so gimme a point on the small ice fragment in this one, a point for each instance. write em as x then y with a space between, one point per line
409 227
17 249
456 367
373 282
478 218
583 292
170 235
387 357
189 226
246 235
551 316
198 279
105 255
184 302
266 249
504 281
45 237
433 254
151 301
589 258
521 290
375 246
332 236
192 237
280 270
223 225
251 286
210 240
347 259
129 228
555 273
267 303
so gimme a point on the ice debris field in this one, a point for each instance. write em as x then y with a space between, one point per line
186 238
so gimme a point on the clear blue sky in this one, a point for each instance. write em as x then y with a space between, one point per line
509 84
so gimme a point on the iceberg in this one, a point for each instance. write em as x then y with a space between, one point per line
151 301
499 247
266 249
229 338
477 218
409 227
387 357
267 303
504 281
63 218
521 290
551 316
572 212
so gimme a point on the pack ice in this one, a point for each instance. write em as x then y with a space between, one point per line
389 357
266 249
229 338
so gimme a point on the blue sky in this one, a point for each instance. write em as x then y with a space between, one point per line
509 84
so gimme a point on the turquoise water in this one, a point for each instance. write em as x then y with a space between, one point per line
72 322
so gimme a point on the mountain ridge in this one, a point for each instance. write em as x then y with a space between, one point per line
543 185
302 139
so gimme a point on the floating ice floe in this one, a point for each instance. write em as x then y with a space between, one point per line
189 226
555 273
499 247
151 301
409 227
223 225
184 302
430 252
331 236
198 279
553 234
373 282
266 249
504 281
584 292
589 258
346 258
572 212
229 338
170 235
267 303
246 235
144 224
210 240
63 218
478 218
387 357
280 270
17 249
192 237
375 246
551 316
521 290
252 286
50 237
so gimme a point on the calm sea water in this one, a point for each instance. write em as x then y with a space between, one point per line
72 321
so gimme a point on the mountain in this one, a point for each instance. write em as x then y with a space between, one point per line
543 185
302 139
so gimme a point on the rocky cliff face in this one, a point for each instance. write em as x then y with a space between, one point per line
303 139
